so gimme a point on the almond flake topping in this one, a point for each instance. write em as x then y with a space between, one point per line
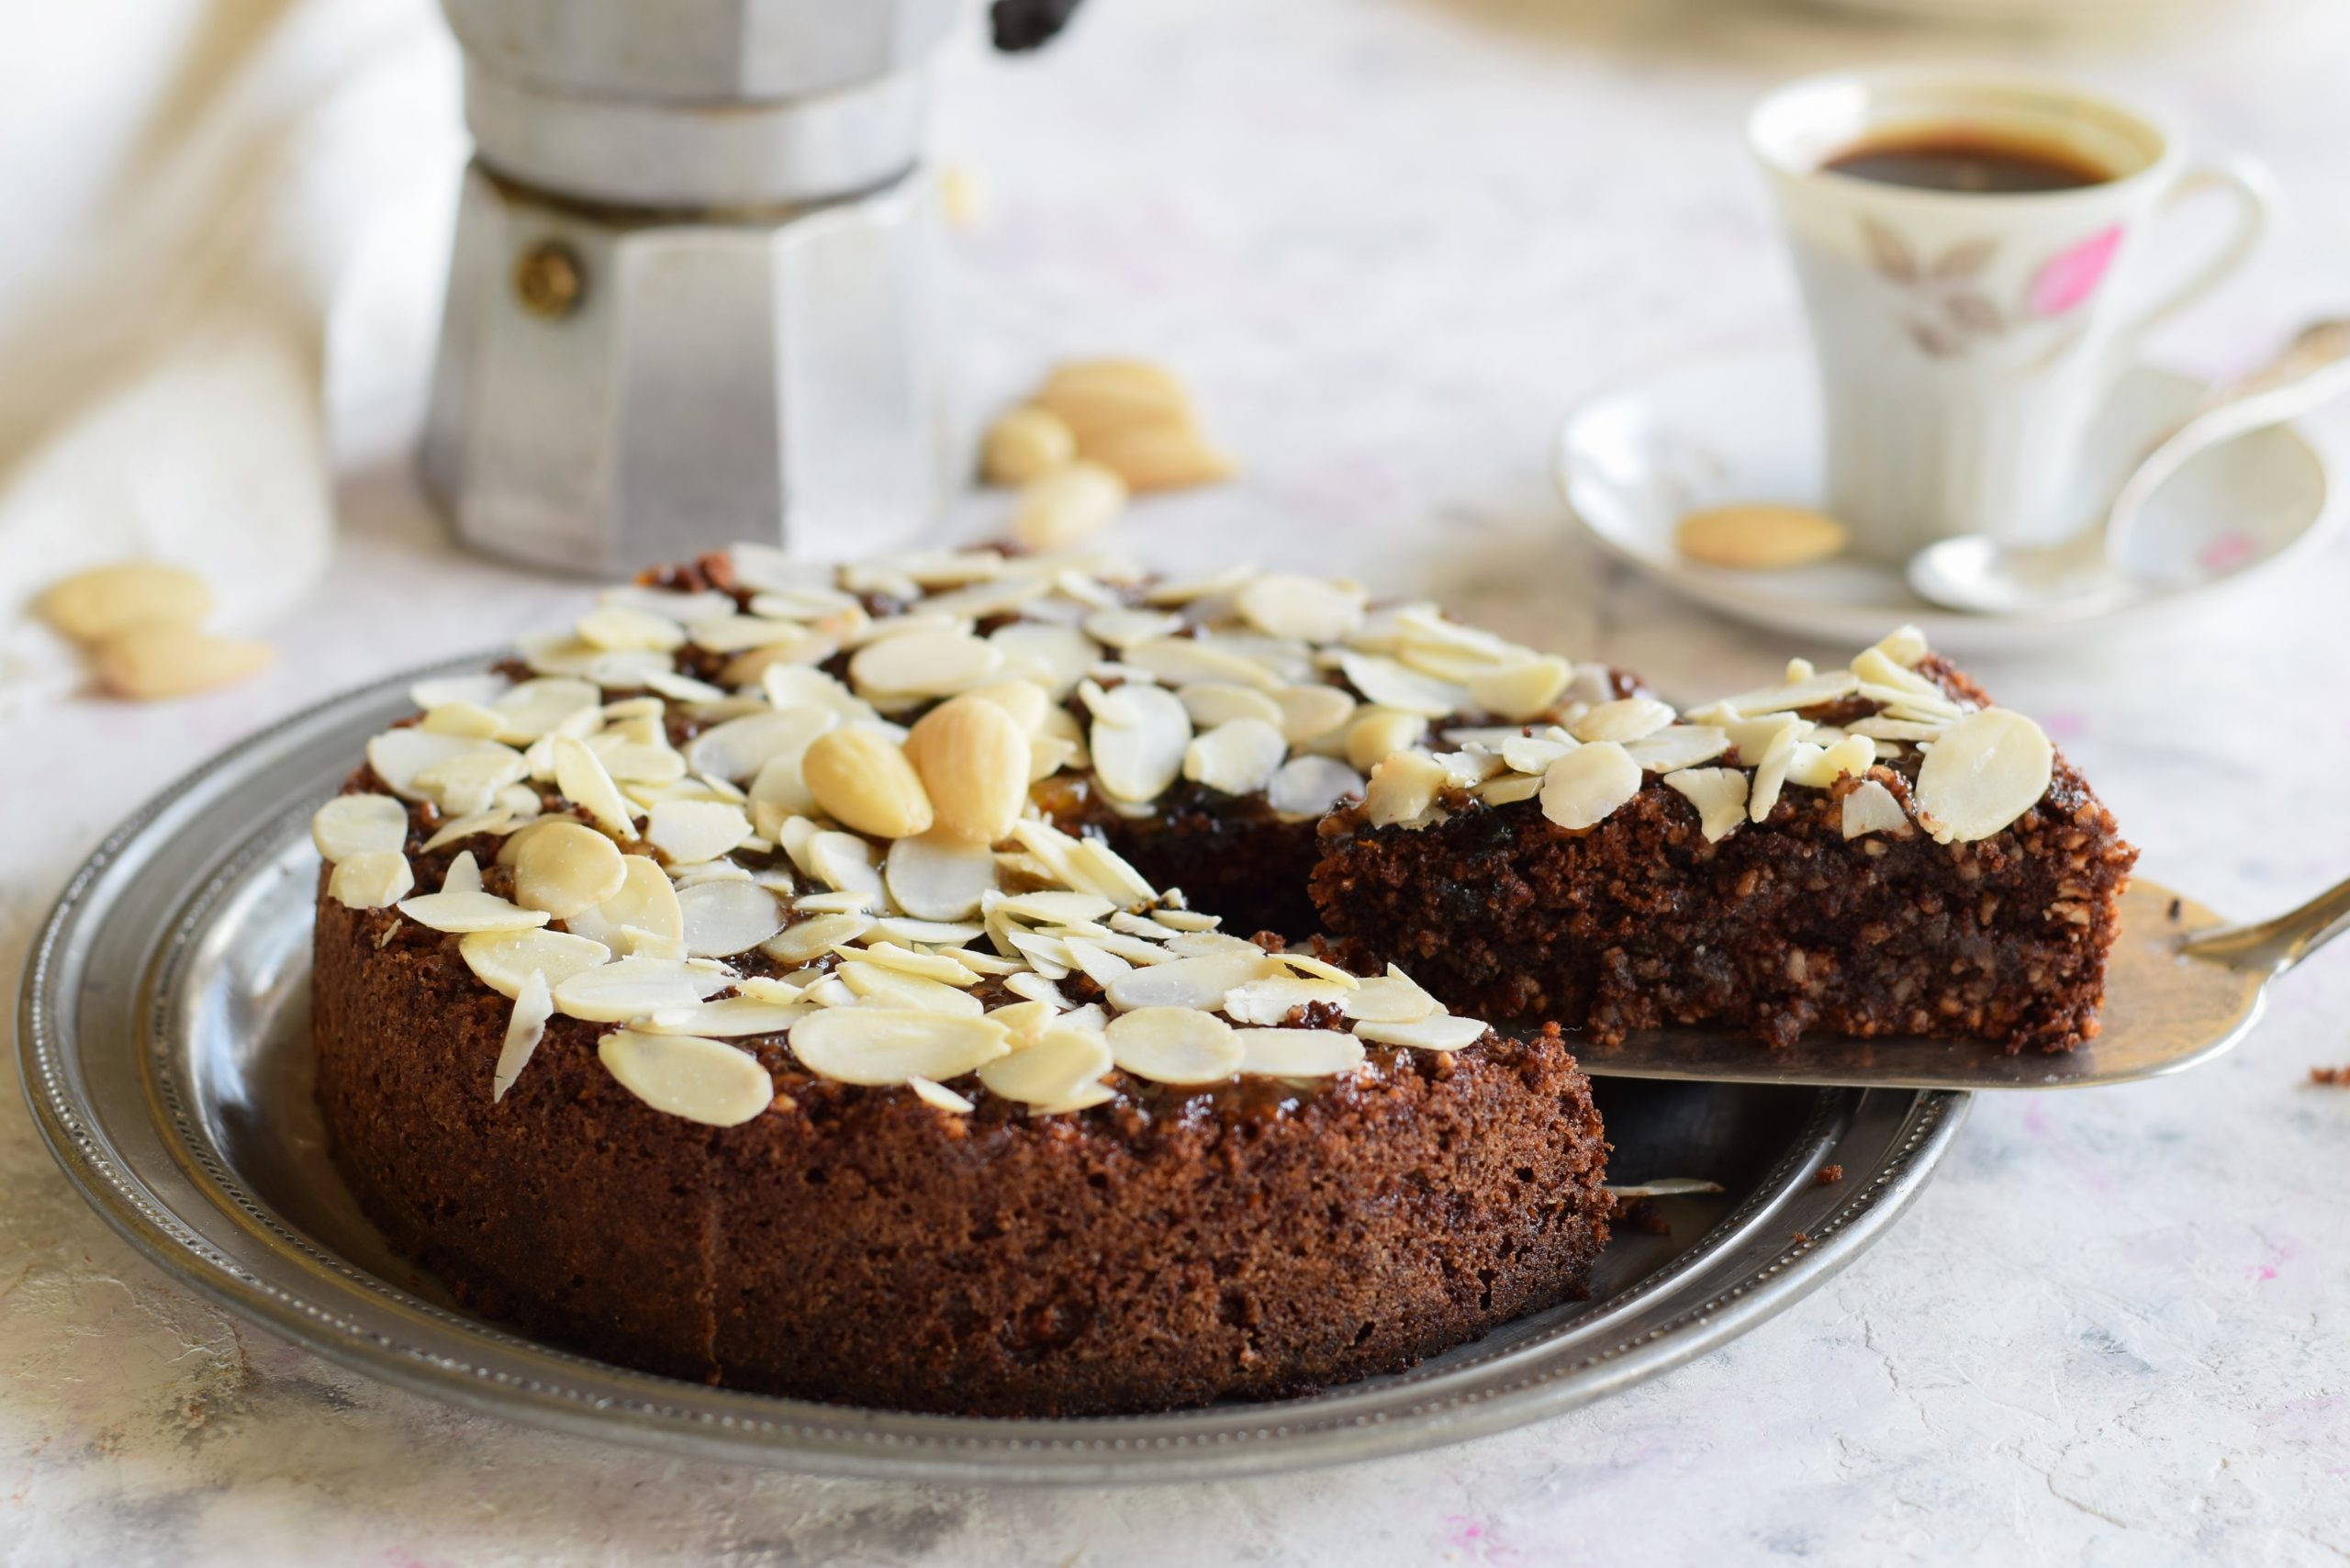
355 824
723 918
1298 1053
887 1046
525 1027
467 912
372 879
1174 1044
686 1075
1626 719
1060 1065
1310 786
1871 808
689 832
633 988
1583 788
565 867
1238 756
1139 741
1987 770
506 961
1443 1032
1392 998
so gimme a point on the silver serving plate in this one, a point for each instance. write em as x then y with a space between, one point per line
165 1043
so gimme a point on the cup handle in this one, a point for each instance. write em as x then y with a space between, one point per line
2248 185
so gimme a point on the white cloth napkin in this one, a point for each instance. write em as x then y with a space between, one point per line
161 351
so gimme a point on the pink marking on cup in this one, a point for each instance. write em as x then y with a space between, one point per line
2226 553
2073 274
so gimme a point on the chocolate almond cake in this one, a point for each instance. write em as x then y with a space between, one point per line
830 980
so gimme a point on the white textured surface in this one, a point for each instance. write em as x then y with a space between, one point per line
1392 240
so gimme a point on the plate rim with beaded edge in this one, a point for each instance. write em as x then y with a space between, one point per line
162 991
1742 423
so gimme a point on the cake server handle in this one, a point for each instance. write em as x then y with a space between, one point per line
2272 947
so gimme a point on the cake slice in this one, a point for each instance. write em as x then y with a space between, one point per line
1873 850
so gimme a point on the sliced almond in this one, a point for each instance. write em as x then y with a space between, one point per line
1310 712
623 627
1023 699
1026 443
506 960
1213 702
1313 610
1770 772
1237 757
1443 1032
372 879
1403 788
1378 734
1392 684
1271 1000
1869 808
737 749
1905 645
730 1017
689 832
1391 998
924 663
1174 1044
1852 755
1139 755
972 757
98 603
1298 1053
1523 690
1054 1069
895 988
1719 795
1199 982
1186 661
580 774
723 918
843 861
1677 747
1535 754
464 875
355 824
1310 786
936 876
1756 538
565 867
686 1075
808 938
525 1027
632 987
1584 788
886 1045
1626 719
864 780
1055 657
1987 769
467 912
645 906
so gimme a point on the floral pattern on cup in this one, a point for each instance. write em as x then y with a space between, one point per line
1947 310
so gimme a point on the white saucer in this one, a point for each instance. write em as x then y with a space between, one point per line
1632 462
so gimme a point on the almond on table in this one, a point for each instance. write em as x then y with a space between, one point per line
94 604
1758 538
158 659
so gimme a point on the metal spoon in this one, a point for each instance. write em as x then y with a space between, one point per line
2182 987
2079 576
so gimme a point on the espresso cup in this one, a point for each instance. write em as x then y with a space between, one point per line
1969 320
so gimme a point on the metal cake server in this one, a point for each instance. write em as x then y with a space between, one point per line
2182 987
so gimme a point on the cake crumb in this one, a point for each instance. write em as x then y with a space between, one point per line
1639 1214
2335 1077
2176 906
1803 1238
1828 1176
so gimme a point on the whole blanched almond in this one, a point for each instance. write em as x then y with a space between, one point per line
1093 397
1026 443
1164 455
1067 505
973 757
90 605
157 659
1758 538
863 779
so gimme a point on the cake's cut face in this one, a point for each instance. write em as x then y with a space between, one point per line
749 984
1874 850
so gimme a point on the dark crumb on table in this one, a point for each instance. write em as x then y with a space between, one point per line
1641 1215
2176 905
1828 1176
2335 1077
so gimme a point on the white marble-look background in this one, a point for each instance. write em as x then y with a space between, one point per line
1392 240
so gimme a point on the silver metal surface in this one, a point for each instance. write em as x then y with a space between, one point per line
779 380
164 1041
2083 575
748 344
698 51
